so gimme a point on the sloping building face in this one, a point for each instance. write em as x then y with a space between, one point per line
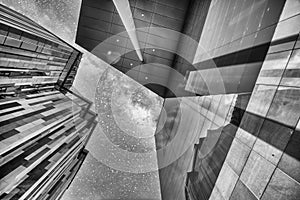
44 126
232 127
182 41
42 136
32 58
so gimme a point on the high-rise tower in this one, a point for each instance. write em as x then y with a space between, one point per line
44 126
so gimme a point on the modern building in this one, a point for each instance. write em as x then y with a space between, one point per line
65 181
42 137
32 58
44 126
228 71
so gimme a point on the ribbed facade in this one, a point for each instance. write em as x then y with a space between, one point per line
42 136
31 58
44 126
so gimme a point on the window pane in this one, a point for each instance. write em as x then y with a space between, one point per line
291 76
261 99
291 8
287 28
273 68
285 107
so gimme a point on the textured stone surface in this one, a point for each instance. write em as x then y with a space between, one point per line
290 162
226 181
249 128
261 99
241 192
257 173
216 195
282 187
237 156
268 151
285 107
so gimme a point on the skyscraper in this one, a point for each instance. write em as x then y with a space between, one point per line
228 73
44 126
32 58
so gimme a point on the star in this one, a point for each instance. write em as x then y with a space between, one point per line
98 178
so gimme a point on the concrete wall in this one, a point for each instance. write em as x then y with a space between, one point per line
263 161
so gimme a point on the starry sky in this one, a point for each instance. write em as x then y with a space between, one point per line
58 16
115 168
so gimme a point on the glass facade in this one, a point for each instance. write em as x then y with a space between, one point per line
44 126
230 127
223 122
260 163
42 139
32 59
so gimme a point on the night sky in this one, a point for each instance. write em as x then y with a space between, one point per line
58 16
111 171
